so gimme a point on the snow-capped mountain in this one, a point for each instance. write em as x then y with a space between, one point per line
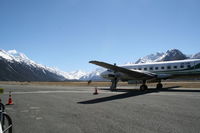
12 58
170 55
150 58
20 57
94 75
15 66
196 56
75 75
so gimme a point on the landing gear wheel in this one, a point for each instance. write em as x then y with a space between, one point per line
159 86
143 87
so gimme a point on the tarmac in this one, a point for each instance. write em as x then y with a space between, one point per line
74 109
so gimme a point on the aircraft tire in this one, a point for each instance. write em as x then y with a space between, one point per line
143 87
159 86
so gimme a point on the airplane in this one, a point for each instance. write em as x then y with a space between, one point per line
156 71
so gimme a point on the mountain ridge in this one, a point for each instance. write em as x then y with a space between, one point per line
170 55
16 66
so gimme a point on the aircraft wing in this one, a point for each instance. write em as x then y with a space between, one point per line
131 73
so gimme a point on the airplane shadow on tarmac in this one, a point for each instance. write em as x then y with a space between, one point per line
132 93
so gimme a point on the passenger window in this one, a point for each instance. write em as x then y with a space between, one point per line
182 66
151 68
156 68
175 67
168 67
139 69
145 69
162 67
189 66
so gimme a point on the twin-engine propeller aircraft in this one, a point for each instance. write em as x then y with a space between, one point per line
150 72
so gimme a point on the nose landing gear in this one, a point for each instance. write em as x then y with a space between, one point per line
114 84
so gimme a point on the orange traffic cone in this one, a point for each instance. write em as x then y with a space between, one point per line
95 91
10 102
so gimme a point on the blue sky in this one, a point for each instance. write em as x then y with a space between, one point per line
68 33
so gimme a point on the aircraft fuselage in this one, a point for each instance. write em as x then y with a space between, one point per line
169 69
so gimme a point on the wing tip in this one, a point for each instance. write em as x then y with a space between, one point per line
91 61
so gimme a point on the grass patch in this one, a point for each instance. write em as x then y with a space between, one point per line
184 84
